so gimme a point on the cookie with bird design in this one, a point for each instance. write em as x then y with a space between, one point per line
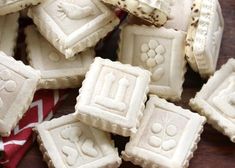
72 26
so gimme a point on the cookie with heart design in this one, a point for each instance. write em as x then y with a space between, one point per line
66 142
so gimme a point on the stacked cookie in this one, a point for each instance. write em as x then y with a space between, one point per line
52 68
154 46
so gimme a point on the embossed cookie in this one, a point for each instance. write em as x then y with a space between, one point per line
56 71
112 96
204 36
161 51
216 100
67 143
10 6
73 26
17 86
167 137
8 33
180 15
155 12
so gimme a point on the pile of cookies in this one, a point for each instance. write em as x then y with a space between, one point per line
128 97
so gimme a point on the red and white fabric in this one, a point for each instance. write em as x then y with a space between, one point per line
15 146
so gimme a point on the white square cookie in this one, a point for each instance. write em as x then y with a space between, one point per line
155 12
18 83
8 33
11 6
73 25
179 18
204 36
216 100
167 136
67 143
57 72
112 96
159 50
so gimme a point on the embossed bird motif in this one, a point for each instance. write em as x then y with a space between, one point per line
74 11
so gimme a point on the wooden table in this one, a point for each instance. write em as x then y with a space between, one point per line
214 150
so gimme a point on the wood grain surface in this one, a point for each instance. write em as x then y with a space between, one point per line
214 150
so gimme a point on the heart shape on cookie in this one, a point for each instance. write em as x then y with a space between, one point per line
71 133
71 155
88 148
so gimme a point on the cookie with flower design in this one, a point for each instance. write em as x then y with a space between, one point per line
167 136
152 54
159 50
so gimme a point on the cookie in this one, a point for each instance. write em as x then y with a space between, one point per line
159 50
56 71
155 12
167 136
112 96
216 100
204 36
73 26
8 33
11 6
179 18
18 84
66 142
